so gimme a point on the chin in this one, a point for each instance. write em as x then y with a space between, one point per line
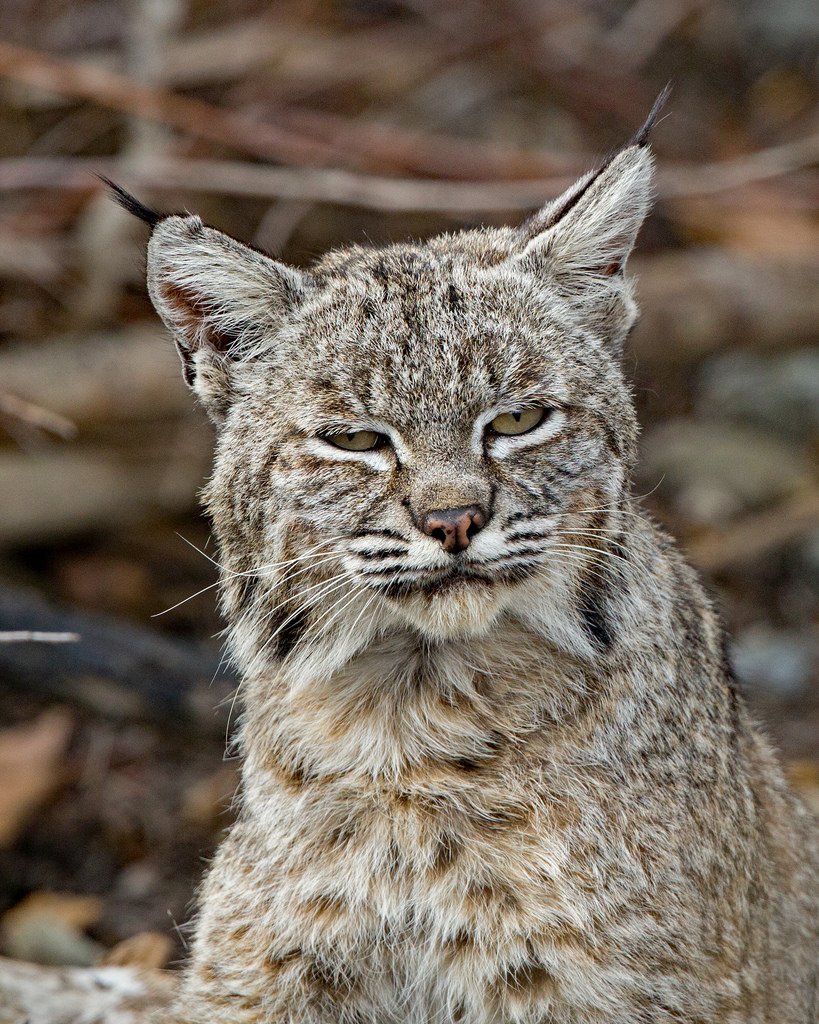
452 608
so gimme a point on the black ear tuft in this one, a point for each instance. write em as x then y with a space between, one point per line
132 204
642 136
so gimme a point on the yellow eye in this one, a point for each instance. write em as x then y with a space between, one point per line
519 421
356 440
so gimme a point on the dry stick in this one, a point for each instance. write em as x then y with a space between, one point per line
377 192
743 170
755 535
121 93
375 145
18 636
392 148
389 147
280 144
313 184
35 416
100 234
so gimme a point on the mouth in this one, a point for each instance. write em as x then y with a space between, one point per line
449 579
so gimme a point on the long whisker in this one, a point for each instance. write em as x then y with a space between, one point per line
196 548
363 610
330 586
272 637
597 553
588 565
600 551
290 598
322 625
310 553
244 572
307 568
602 508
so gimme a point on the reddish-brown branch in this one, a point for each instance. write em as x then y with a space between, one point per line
194 117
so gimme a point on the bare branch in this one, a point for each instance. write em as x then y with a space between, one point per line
378 192
35 416
18 636
118 92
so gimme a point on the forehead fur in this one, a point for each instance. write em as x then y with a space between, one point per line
419 332
455 324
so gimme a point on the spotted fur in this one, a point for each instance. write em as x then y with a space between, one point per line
513 785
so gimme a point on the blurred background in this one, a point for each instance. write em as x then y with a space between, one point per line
300 125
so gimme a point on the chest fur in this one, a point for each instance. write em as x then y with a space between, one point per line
436 895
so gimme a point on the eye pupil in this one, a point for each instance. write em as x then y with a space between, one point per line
356 440
519 421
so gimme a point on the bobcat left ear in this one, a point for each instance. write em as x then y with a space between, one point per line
580 242
222 301
589 232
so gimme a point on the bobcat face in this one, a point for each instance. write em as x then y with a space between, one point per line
389 421
439 430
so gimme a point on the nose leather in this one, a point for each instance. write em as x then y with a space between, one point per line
454 527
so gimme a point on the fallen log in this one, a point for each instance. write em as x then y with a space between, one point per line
115 668
116 375
750 538
697 302
58 493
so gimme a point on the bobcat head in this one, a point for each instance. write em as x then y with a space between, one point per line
425 437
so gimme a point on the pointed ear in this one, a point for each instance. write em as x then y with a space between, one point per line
581 241
592 227
221 301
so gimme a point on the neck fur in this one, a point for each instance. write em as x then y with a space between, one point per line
377 697
400 704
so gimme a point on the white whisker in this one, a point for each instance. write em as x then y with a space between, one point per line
244 572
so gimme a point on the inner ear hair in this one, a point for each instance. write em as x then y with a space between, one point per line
196 318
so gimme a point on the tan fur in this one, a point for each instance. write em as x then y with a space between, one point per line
515 784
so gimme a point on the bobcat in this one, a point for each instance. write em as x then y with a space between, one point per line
496 768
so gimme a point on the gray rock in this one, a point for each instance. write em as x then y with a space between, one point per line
775 663
711 470
776 392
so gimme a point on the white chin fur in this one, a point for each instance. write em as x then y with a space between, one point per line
459 610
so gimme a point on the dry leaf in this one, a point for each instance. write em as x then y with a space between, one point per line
145 950
30 768
48 928
804 776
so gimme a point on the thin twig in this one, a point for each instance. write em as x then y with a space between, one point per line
18 636
743 170
313 184
755 535
378 192
118 92
35 416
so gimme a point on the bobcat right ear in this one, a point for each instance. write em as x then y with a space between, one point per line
580 242
221 300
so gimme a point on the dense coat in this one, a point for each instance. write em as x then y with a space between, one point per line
509 783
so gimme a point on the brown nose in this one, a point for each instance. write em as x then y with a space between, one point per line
454 527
